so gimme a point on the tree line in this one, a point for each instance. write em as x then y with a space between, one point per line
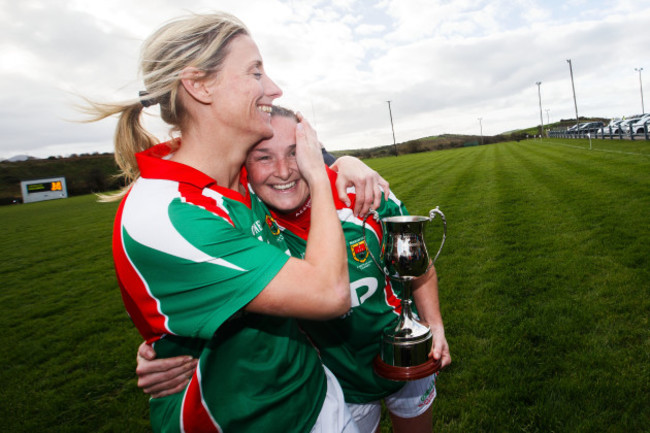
97 173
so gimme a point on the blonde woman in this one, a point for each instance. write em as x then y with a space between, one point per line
203 269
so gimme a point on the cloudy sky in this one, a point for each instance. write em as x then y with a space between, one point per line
442 64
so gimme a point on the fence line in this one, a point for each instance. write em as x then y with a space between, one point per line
619 135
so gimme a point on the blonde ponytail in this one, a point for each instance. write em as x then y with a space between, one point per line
130 137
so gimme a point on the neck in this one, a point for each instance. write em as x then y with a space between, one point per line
297 221
214 153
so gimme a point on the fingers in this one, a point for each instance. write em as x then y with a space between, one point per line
342 190
446 360
360 189
371 195
145 351
307 132
160 383
309 155
440 352
180 387
302 119
384 186
147 367
378 193
169 387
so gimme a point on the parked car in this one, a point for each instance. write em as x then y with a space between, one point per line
590 127
625 125
610 128
574 129
639 126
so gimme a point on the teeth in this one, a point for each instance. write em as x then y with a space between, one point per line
265 108
285 186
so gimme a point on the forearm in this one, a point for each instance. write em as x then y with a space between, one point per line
425 295
326 244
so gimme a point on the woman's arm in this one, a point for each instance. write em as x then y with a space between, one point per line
368 184
425 295
318 286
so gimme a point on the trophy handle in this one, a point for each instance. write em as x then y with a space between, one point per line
432 215
383 238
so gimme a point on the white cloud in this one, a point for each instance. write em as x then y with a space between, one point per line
442 64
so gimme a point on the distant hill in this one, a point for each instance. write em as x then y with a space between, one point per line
18 158
428 144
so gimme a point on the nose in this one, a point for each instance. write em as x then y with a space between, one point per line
282 169
271 89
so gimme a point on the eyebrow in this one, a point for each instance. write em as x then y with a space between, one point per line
256 64
260 149
266 150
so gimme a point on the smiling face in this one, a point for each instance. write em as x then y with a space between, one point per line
273 171
242 93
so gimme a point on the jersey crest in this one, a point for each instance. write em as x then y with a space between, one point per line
273 225
359 251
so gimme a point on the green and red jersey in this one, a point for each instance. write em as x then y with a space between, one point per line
349 344
189 255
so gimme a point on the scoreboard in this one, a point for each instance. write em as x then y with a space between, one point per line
43 189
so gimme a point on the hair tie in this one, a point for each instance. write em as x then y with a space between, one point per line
146 102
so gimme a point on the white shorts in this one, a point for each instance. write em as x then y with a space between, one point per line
334 416
412 400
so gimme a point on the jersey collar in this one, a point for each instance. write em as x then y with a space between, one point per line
154 163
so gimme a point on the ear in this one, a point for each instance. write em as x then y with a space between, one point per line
195 83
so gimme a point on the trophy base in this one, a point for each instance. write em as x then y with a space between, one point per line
404 374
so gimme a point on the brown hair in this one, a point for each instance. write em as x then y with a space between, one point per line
283 112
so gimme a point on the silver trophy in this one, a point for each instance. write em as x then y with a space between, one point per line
404 350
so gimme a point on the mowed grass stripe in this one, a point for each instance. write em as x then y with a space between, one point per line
512 382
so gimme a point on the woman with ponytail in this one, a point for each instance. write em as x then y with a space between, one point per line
203 268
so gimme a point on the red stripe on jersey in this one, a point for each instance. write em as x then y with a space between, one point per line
391 298
195 417
140 305
191 194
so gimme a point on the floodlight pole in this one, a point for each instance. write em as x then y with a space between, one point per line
480 124
574 91
541 119
641 87
392 127
548 120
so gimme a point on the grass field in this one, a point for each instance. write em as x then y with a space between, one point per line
544 286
